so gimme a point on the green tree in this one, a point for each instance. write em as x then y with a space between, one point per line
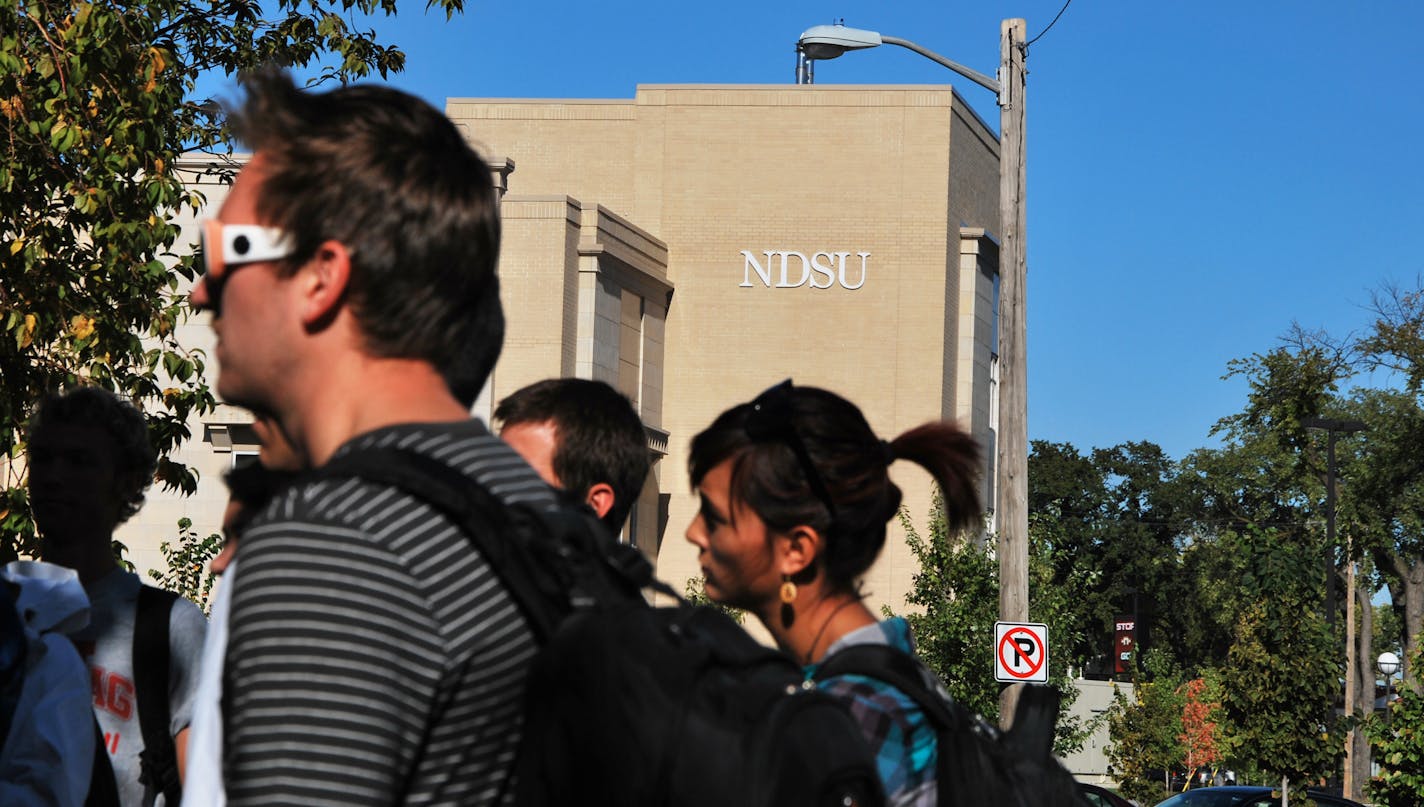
958 589
187 560
1383 472
1386 629
1067 490
1212 566
1118 519
1146 730
96 106
1270 472
1282 673
1395 340
1385 504
957 585
1273 470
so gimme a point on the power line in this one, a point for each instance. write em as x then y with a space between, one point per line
1050 25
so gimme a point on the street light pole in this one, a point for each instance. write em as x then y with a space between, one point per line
1332 427
1011 461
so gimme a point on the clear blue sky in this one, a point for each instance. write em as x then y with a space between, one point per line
1200 174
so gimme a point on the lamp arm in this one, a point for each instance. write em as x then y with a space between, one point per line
973 75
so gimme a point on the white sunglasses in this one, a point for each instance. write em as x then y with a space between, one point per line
226 245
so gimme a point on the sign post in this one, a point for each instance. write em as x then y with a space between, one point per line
1021 652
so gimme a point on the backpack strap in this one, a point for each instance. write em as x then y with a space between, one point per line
536 565
103 788
158 762
481 517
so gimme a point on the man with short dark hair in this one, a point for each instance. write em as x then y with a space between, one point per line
90 461
374 656
583 437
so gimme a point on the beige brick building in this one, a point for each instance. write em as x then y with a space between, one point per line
722 238
696 244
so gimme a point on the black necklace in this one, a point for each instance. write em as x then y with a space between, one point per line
810 652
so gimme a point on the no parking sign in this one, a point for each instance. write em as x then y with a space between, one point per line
1020 652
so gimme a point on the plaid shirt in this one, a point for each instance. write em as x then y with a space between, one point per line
903 740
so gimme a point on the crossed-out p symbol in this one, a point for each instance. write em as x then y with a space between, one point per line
1021 652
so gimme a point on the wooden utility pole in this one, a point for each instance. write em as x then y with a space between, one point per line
1364 686
1350 662
1011 463
1011 509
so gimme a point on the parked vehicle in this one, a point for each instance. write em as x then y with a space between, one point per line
1250 796
1102 797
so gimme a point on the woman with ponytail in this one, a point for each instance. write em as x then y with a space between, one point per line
795 498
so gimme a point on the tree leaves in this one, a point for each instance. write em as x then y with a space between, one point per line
1118 520
1281 676
1380 470
96 107
1201 727
1237 568
1146 730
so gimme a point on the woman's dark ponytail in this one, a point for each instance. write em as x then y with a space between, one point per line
952 458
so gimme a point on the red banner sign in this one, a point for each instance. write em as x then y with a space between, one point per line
1124 645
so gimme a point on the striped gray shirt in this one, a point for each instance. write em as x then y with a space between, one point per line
374 657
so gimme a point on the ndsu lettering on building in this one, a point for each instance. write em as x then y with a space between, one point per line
821 270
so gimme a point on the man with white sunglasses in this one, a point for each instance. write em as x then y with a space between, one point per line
373 656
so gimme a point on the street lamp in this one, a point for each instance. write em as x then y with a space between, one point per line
1331 426
1388 664
829 41
1011 464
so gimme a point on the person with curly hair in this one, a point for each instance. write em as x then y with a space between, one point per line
90 462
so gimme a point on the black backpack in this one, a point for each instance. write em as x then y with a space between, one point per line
627 704
982 764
